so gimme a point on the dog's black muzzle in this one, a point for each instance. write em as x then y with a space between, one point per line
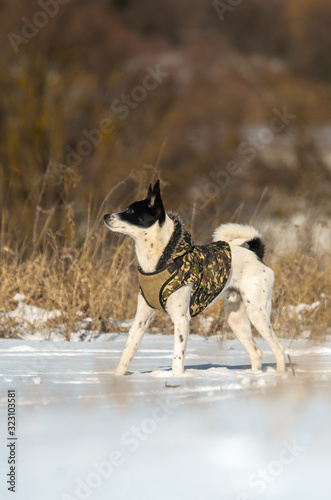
107 219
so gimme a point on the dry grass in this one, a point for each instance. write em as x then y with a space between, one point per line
302 277
91 277
97 276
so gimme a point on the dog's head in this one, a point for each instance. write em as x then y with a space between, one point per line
140 215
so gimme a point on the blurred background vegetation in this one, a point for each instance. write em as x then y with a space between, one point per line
83 130
225 74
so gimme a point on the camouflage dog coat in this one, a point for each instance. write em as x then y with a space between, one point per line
207 267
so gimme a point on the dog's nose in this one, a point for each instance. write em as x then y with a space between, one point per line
106 217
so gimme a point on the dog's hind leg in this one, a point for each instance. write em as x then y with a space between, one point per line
257 292
178 308
239 322
141 321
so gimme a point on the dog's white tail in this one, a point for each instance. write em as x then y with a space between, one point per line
232 232
241 235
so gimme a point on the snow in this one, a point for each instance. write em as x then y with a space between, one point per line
297 312
29 315
219 431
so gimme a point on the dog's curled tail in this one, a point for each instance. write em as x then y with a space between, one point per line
241 235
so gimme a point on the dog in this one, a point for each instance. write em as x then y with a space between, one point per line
182 279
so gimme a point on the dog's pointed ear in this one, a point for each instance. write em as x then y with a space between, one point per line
155 201
153 193
149 192
155 196
156 189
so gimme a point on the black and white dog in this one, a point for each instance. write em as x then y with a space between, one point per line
247 291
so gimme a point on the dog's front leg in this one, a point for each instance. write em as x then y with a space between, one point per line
178 307
141 321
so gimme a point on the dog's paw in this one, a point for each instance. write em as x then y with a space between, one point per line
119 373
177 373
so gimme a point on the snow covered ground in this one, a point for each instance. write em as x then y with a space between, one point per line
217 432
